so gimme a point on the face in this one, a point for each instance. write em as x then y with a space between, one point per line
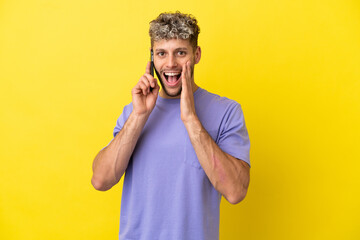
169 58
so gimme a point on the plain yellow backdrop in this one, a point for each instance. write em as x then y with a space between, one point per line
66 71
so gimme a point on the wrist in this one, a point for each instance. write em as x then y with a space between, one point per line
139 117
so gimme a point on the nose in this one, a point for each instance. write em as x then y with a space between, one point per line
171 61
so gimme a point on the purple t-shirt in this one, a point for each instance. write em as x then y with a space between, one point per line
166 193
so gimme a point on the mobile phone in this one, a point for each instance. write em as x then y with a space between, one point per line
152 62
152 66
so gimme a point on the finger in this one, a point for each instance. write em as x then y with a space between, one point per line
151 79
136 89
144 88
183 74
156 88
145 80
147 70
188 70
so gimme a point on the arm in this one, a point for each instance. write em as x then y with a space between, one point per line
111 162
228 175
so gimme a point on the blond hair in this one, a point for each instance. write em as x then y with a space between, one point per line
174 26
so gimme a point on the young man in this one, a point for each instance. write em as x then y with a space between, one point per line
182 148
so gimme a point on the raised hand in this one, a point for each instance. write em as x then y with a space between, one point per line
187 105
145 93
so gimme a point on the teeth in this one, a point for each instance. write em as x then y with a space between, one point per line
171 74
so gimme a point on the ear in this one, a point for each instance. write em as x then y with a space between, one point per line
197 54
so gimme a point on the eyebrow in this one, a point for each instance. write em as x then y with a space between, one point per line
177 49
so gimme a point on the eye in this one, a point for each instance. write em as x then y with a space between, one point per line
181 53
161 54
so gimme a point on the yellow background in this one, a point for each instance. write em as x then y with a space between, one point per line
67 68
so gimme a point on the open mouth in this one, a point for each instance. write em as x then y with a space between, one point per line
172 78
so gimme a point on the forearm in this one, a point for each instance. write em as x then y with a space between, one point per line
111 162
228 175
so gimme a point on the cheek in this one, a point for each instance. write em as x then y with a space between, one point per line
160 64
184 61
157 66
191 59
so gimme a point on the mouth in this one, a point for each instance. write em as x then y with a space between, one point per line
172 78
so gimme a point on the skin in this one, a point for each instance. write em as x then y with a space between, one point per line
228 175
171 56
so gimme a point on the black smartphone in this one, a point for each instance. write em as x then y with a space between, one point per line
152 62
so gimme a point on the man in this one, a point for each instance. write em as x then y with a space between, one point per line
182 148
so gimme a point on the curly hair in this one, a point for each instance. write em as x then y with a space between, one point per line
174 25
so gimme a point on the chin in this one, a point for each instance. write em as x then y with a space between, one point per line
173 92
170 92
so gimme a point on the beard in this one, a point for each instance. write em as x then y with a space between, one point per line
177 94
163 86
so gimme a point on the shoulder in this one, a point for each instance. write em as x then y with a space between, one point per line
216 112
216 102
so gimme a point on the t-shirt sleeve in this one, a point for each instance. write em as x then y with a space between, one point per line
122 119
233 135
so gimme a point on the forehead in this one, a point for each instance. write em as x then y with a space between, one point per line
172 44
